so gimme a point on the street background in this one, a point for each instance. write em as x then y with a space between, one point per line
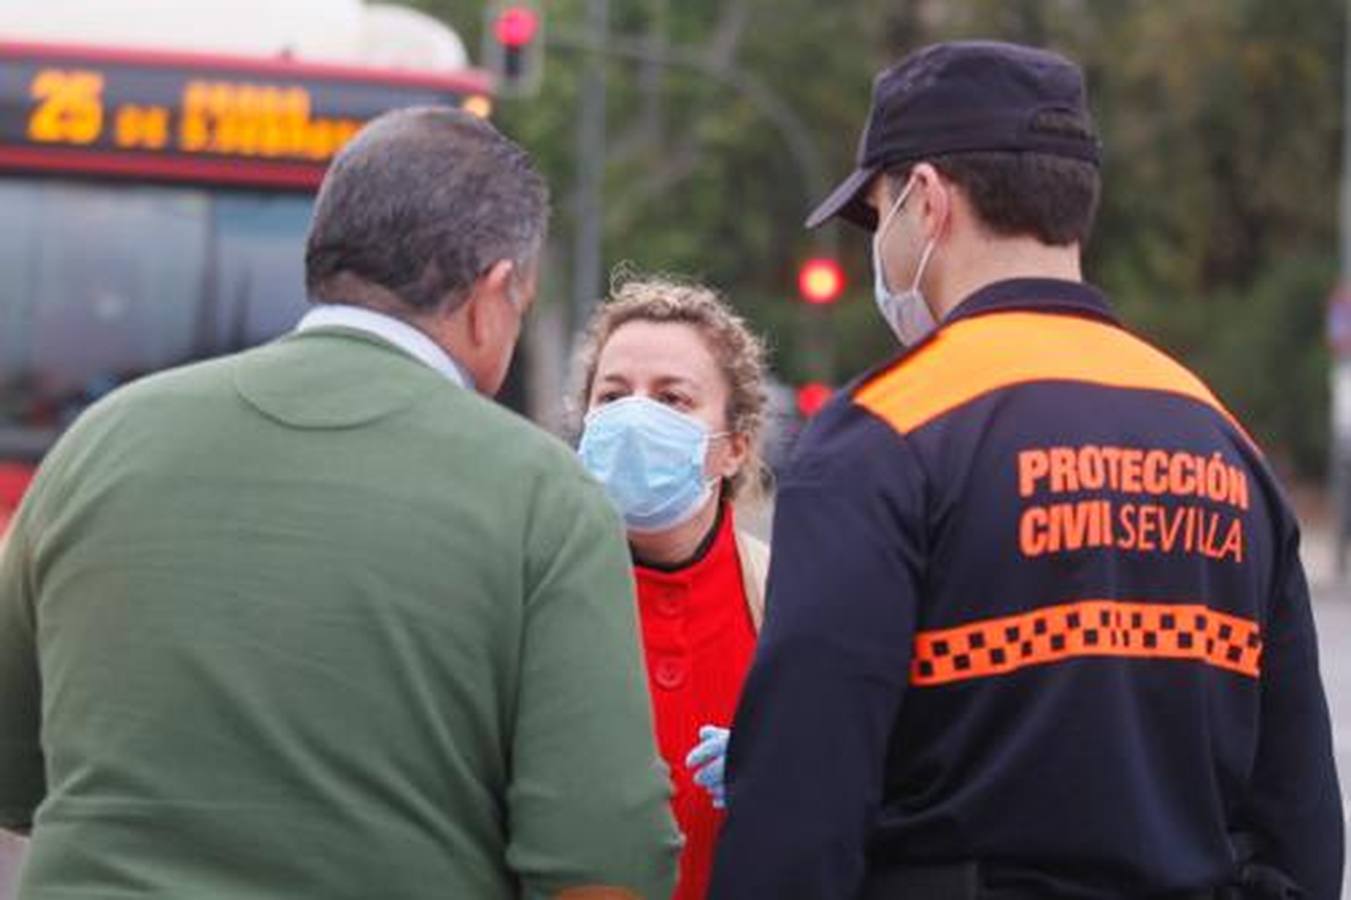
692 137
1332 612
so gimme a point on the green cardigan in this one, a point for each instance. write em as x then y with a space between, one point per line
312 621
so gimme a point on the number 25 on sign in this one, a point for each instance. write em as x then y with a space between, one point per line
69 109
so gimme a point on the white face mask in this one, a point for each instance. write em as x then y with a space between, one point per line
906 312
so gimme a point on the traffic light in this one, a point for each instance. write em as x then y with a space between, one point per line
811 397
513 47
820 281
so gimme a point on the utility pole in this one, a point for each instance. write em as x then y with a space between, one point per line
587 256
798 142
599 46
780 115
1339 310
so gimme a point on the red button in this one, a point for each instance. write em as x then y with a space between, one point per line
670 600
670 673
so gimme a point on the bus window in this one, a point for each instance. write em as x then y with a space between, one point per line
108 291
260 288
105 283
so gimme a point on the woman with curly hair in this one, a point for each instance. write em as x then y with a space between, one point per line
672 384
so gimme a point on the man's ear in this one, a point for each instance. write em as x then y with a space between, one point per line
481 307
936 198
498 279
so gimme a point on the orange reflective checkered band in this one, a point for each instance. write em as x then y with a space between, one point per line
1085 629
974 357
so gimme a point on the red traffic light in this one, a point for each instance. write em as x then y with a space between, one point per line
516 26
811 397
820 280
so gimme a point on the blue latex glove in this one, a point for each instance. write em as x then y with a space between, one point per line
709 761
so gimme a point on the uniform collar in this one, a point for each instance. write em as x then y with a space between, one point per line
1050 295
1035 295
389 329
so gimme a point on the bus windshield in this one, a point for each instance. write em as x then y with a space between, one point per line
107 282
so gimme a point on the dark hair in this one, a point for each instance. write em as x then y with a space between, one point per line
1051 198
421 203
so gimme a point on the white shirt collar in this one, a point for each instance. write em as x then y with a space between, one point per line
400 334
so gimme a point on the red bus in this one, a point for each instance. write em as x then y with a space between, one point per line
153 208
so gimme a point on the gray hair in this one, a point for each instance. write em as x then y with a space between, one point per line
421 203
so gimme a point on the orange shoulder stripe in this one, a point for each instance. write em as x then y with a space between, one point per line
974 357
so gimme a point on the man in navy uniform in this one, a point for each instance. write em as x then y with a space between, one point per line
1037 624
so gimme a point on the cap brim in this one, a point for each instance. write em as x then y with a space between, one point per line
847 202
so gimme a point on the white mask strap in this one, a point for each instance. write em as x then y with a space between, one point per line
895 208
929 248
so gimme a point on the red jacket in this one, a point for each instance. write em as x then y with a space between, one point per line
698 625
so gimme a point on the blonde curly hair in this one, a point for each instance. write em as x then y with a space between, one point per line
740 355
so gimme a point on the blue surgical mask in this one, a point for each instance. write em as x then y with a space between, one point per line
906 312
650 459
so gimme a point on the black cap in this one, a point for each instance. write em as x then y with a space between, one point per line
960 97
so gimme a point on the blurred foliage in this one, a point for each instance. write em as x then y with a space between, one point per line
1221 123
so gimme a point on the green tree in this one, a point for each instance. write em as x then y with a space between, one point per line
1221 127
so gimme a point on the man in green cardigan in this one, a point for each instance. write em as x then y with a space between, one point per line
319 620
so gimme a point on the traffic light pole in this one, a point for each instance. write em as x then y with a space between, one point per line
588 251
814 325
1341 361
797 138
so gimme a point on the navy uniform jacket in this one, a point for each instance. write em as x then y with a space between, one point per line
1035 601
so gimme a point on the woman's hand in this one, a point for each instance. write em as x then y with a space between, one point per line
709 760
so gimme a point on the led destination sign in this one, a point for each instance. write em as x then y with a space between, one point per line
163 115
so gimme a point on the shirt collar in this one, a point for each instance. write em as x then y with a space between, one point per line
392 330
1035 294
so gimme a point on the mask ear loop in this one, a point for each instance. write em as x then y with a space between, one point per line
879 268
929 248
717 480
924 257
895 207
